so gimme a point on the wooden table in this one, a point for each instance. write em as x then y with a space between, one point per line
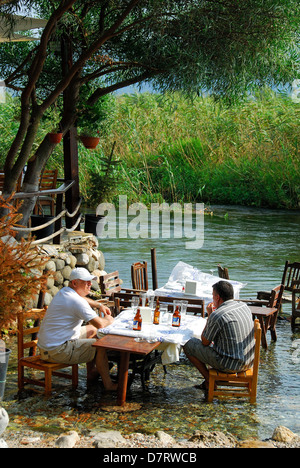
267 317
125 345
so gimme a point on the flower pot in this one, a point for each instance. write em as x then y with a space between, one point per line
4 357
39 220
94 224
89 141
55 137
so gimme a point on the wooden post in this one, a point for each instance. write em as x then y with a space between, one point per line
70 143
154 269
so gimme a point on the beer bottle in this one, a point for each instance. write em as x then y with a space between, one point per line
156 314
176 319
137 321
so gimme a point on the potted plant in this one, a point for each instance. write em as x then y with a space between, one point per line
93 118
55 136
21 277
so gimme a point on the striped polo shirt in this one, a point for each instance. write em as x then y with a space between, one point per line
231 329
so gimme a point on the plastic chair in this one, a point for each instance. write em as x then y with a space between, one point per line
27 340
242 384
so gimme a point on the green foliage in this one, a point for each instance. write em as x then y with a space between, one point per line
99 177
94 118
182 150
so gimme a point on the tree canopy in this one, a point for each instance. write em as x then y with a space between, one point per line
90 48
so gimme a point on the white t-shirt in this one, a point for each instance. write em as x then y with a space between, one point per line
64 318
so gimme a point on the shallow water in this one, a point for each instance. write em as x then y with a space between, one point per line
254 245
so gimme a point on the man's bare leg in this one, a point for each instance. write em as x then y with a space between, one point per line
201 368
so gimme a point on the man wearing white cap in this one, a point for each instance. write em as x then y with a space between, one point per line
62 338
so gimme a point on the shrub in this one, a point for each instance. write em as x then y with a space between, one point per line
21 268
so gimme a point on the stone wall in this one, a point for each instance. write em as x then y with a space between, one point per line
78 250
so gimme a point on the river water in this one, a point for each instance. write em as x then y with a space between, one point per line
254 244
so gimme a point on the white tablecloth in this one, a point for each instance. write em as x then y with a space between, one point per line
171 338
183 272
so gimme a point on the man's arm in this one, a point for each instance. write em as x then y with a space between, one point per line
102 322
97 305
209 310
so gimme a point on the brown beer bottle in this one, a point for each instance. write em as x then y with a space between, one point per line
176 319
137 321
156 314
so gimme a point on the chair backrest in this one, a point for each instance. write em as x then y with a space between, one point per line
122 300
28 325
276 297
257 337
139 276
48 179
195 306
110 283
223 272
291 273
18 185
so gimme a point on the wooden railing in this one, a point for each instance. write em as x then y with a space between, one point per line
59 213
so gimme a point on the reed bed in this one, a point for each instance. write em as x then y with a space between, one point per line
172 148
175 149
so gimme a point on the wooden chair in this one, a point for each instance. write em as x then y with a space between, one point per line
48 181
110 284
223 272
295 303
291 273
18 185
27 341
195 306
242 384
267 315
139 276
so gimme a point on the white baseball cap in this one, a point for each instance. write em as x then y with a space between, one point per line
81 274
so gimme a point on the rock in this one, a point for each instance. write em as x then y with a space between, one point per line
4 420
68 440
60 264
50 266
213 439
82 259
108 439
254 444
58 278
165 438
101 260
48 298
3 444
50 282
283 434
66 272
73 261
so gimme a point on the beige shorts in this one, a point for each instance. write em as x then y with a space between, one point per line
73 351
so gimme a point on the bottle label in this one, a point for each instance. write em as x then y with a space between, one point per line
136 325
176 321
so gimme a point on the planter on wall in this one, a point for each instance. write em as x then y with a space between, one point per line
55 137
93 224
39 220
89 141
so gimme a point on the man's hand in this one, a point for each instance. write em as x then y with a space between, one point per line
98 305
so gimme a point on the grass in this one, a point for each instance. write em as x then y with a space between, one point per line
175 149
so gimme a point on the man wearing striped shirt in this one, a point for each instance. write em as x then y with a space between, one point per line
227 342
